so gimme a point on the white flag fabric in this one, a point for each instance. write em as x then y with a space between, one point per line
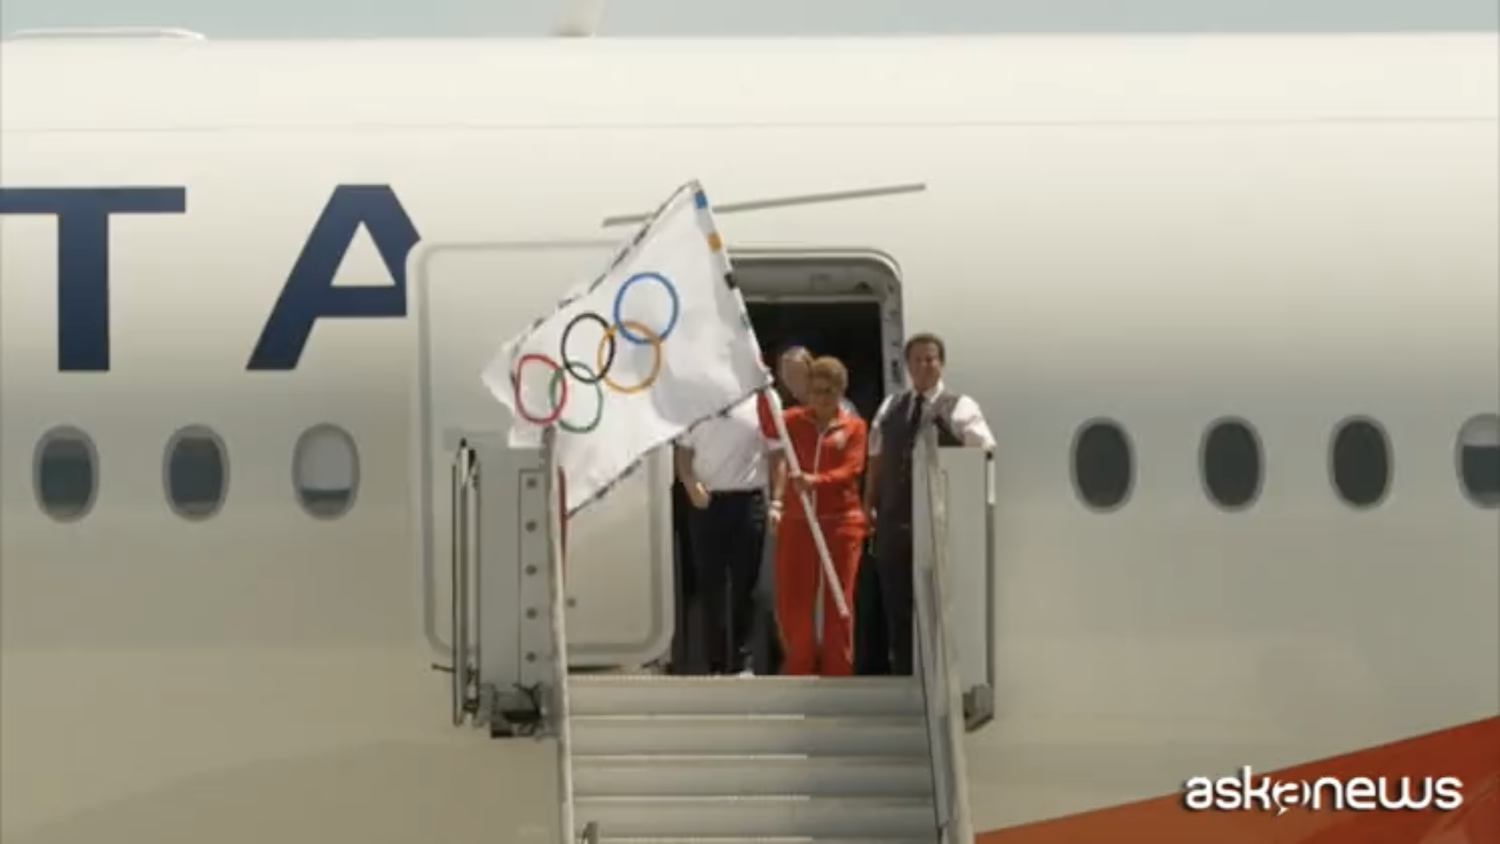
629 362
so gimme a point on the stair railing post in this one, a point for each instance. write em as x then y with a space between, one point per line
945 713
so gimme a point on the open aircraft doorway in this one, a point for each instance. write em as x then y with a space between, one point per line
843 303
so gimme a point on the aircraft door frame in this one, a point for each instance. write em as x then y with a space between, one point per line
436 440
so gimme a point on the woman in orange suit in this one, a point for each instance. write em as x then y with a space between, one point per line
829 441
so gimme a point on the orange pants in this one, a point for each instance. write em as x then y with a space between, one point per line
799 578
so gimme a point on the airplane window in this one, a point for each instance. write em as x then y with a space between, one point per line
1361 462
65 474
1231 464
1479 459
1103 470
197 473
325 471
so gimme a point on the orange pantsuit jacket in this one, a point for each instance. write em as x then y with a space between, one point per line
832 459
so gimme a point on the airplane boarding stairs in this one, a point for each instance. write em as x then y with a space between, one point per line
724 760
668 760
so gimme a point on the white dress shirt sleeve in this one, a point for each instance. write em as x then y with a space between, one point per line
969 425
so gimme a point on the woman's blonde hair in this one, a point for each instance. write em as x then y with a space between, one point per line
832 370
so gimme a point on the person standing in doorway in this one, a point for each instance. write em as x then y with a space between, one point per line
793 367
829 443
888 490
721 464
792 371
871 644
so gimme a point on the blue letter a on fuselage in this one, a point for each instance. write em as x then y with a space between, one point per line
309 293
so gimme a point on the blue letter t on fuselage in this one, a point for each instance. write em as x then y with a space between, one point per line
309 292
83 258
83 289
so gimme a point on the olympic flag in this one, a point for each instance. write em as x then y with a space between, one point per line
630 361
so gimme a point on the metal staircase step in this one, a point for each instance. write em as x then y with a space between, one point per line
862 818
930 839
639 694
742 735
770 774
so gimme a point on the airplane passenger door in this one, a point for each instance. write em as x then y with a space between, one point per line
471 298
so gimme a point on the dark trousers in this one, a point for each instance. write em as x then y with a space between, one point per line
893 557
872 647
685 575
728 537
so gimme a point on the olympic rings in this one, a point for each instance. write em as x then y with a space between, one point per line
565 369
620 300
573 367
651 337
559 388
557 406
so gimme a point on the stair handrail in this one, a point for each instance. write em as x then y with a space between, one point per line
464 485
940 687
562 706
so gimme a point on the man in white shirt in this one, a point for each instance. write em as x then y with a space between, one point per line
721 463
888 483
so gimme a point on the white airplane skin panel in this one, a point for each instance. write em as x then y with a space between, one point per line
262 667
743 82
189 662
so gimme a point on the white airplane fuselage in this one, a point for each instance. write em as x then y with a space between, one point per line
1161 232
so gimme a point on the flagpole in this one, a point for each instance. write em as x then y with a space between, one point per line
557 514
830 575
716 246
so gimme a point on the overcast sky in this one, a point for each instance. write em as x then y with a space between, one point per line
324 18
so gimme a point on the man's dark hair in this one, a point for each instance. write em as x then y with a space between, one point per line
924 339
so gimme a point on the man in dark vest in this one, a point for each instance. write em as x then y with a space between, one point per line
888 486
